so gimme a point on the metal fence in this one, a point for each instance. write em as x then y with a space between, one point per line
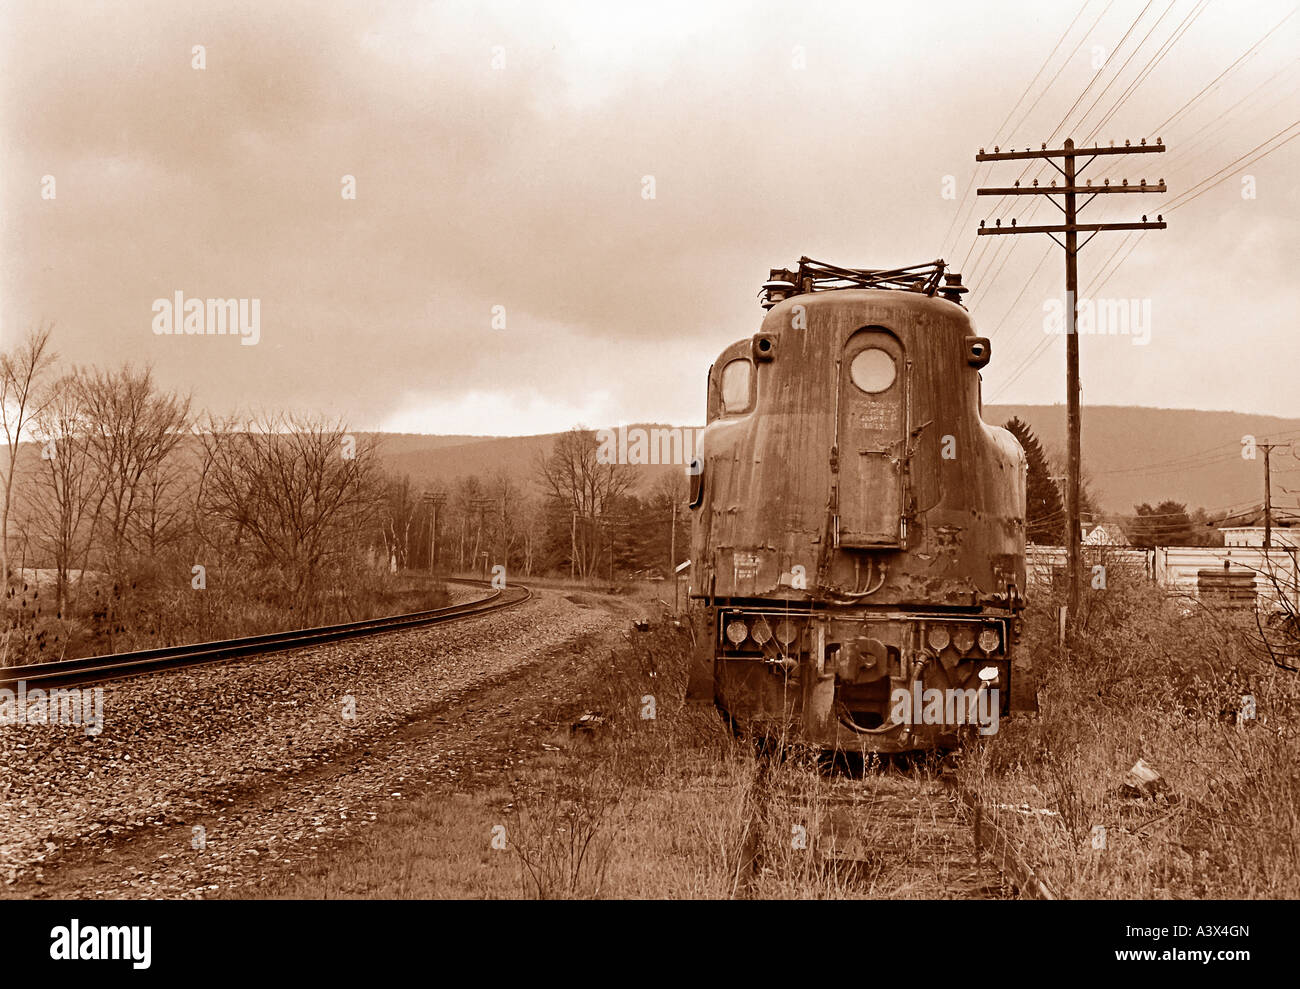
1180 569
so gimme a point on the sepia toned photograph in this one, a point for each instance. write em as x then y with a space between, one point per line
716 451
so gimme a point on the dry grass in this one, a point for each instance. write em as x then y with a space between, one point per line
1155 679
443 845
672 806
658 802
158 606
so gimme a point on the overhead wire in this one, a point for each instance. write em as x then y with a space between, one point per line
1050 55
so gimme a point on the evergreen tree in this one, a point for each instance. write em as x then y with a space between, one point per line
1167 524
1044 522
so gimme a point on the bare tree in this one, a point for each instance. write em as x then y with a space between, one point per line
574 478
669 500
67 485
20 373
164 518
300 490
504 505
469 503
397 523
132 431
531 527
1277 611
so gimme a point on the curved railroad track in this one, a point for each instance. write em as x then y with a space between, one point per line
96 669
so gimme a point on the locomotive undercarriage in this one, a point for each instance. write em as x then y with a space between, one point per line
860 679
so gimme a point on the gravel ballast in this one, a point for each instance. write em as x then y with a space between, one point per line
201 745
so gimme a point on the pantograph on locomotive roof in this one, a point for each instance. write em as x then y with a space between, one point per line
820 276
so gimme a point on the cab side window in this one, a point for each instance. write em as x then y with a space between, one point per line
737 387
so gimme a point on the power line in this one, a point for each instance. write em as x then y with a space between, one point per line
1197 133
1052 137
1130 58
1131 241
1174 204
1177 205
1047 250
1002 207
1174 38
1240 58
1003 204
952 224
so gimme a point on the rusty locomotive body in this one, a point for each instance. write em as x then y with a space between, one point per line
858 534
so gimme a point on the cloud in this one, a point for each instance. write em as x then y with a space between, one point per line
522 187
497 413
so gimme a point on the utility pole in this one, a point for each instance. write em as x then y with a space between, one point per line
505 543
1268 494
435 501
1071 228
481 505
610 526
1268 502
672 555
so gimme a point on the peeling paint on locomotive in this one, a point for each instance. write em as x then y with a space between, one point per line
857 521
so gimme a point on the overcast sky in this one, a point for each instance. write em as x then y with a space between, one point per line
500 152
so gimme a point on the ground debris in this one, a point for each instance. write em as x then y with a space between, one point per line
1143 781
589 724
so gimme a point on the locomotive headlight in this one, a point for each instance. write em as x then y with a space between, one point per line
737 632
762 632
989 639
786 632
964 639
938 638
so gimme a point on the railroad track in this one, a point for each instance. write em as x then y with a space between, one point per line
1003 849
890 833
96 669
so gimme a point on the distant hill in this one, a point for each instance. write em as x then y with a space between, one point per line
1131 454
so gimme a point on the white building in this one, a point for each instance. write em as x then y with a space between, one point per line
1106 534
1178 568
1253 535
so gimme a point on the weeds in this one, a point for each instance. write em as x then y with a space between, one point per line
156 604
1181 687
664 802
560 834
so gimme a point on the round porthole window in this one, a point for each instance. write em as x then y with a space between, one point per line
873 370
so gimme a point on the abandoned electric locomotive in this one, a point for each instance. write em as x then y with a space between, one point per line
858 537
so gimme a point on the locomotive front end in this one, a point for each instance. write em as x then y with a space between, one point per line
858 530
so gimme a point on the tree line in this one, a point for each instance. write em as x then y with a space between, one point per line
110 475
107 473
577 517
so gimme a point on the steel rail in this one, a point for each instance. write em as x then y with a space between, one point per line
94 669
1008 858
